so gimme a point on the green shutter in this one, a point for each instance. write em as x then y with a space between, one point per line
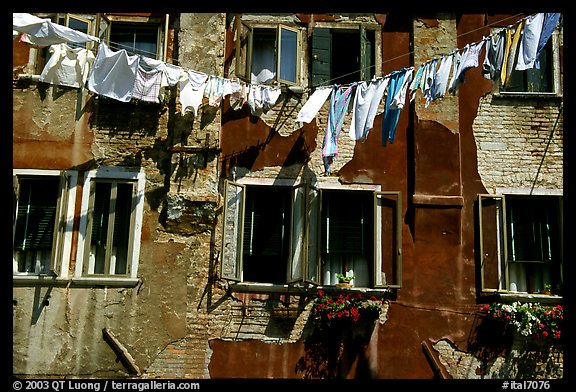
366 49
36 214
321 56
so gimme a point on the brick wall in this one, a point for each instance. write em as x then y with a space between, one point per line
519 142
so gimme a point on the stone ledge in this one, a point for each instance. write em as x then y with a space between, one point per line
440 200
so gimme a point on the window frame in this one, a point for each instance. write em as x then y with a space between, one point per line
304 263
63 225
106 24
89 30
244 44
555 72
362 28
502 258
112 174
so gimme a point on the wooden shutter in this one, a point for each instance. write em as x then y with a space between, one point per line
492 240
313 235
304 260
366 50
243 50
321 56
232 231
297 237
36 214
387 239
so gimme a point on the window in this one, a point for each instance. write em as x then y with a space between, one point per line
543 80
43 217
296 233
266 234
520 242
342 55
268 54
534 80
135 38
111 223
81 24
137 34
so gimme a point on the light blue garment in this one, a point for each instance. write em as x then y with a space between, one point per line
336 115
366 101
415 85
391 115
550 21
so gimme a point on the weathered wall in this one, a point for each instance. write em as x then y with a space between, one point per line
525 149
59 128
181 321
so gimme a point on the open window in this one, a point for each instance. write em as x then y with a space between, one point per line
42 222
310 234
520 240
342 56
267 55
83 24
137 34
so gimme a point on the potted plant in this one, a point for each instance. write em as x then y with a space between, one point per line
343 280
547 289
332 309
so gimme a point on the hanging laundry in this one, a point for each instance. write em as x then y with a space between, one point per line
238 97
455 65
442 76
148 80
262 98
313 104
424 78
269 97
548 26
339 102
43 32
255 99
192 91
67 66
391 115
172 74
366 102
430 82
510 52
214 90
468 60
529 42
492 65
113 74
400 98
415 85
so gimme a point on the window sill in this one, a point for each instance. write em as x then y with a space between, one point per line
527 95
526 297
30 280
266 288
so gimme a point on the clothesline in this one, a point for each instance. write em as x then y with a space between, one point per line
412 51
121 76
506 50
